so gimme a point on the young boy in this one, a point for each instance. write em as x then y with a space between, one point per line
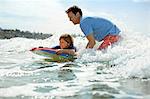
65 45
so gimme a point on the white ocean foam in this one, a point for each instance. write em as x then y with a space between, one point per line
131 54
134 57
18 90
15 72
29 90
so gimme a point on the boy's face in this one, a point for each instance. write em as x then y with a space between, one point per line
63 44
74 18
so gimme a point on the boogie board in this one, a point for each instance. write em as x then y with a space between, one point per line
51 54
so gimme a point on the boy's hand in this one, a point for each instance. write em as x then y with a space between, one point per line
60 51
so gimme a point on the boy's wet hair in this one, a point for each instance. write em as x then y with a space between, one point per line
74 9
67 38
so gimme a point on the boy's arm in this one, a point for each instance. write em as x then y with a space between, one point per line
66 51
91 41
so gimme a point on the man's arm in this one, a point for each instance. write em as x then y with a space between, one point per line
91 41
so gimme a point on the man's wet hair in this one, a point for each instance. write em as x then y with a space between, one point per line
74 9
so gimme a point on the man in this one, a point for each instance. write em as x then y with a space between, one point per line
94 28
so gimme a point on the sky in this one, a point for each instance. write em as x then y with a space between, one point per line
49 16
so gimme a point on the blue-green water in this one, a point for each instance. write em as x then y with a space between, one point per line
65 81
121 72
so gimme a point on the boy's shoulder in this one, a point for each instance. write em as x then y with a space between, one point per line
56 47
72 47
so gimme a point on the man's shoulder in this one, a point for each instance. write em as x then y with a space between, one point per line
90 19
86 20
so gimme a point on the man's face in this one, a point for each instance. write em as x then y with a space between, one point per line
74 18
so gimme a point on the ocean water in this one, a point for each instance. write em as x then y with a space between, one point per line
121 72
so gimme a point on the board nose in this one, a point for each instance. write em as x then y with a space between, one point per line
33 49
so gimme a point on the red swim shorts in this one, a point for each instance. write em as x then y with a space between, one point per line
109 40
